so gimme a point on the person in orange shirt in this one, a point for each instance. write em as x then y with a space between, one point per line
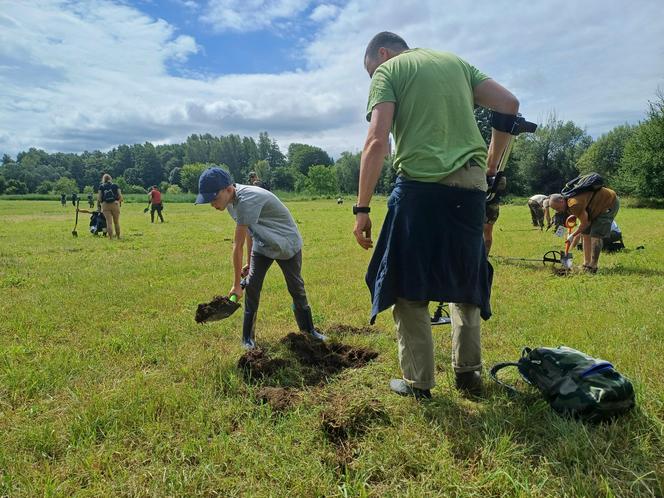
595 211
155 204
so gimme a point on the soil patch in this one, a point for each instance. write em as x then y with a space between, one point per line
340 329
257 364
219 308
345 418
327 358
279 398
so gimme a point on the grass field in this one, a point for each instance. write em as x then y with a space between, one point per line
109 387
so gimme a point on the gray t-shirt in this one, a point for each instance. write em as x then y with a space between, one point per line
272 228
539 198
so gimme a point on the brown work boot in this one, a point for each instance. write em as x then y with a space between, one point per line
469 383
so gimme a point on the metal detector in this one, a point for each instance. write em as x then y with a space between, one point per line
550 258
442 315
553 258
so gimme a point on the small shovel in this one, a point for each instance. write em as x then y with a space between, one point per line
566 259
219 308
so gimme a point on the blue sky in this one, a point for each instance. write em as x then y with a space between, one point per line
227 51
91 74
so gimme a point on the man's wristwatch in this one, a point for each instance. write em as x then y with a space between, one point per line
358 209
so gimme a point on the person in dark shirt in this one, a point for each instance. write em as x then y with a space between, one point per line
256 181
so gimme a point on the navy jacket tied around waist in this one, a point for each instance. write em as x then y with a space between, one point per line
431 248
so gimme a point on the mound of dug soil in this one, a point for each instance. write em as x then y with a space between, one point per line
257 364
279 398
345 418
327 358
219 308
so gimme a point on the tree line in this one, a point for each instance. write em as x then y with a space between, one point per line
630 157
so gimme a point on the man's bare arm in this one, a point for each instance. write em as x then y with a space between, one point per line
376 148
494 96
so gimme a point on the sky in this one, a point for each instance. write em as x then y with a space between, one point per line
81 75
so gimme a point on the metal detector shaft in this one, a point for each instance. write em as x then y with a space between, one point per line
74 232
521 126
553 257
501 167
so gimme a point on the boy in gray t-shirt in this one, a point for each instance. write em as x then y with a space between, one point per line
271 235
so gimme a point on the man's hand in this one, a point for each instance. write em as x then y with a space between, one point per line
245 270
237 291
362 230
570 237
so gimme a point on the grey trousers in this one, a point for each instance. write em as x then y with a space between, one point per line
292 270
413 326
413 323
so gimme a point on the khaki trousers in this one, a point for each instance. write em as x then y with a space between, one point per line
111 211
413 322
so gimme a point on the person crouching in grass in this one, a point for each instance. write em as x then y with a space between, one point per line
270 232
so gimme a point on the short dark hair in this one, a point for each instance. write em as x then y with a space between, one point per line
387 40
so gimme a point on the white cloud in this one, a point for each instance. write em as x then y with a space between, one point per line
324 12
250 15
190 4
94 74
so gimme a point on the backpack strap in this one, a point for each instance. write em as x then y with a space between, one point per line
499 366
591 200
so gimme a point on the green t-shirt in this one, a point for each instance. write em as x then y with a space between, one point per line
434 126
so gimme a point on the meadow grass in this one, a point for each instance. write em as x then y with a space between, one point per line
109 387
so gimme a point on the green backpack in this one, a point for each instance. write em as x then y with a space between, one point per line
573 383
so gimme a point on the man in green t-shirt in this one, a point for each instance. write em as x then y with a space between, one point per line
431 245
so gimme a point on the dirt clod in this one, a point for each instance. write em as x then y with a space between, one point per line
279 398
257 364
327 358
219 308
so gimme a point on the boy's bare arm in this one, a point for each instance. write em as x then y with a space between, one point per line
241 233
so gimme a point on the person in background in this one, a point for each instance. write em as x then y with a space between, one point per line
109 199
91 201
595 212
155 203
493 209
537 212
63 199
256 181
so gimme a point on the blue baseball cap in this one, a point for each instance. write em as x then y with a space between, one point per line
211 181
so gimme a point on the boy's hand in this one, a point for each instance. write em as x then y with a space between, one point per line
245 270
237 291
